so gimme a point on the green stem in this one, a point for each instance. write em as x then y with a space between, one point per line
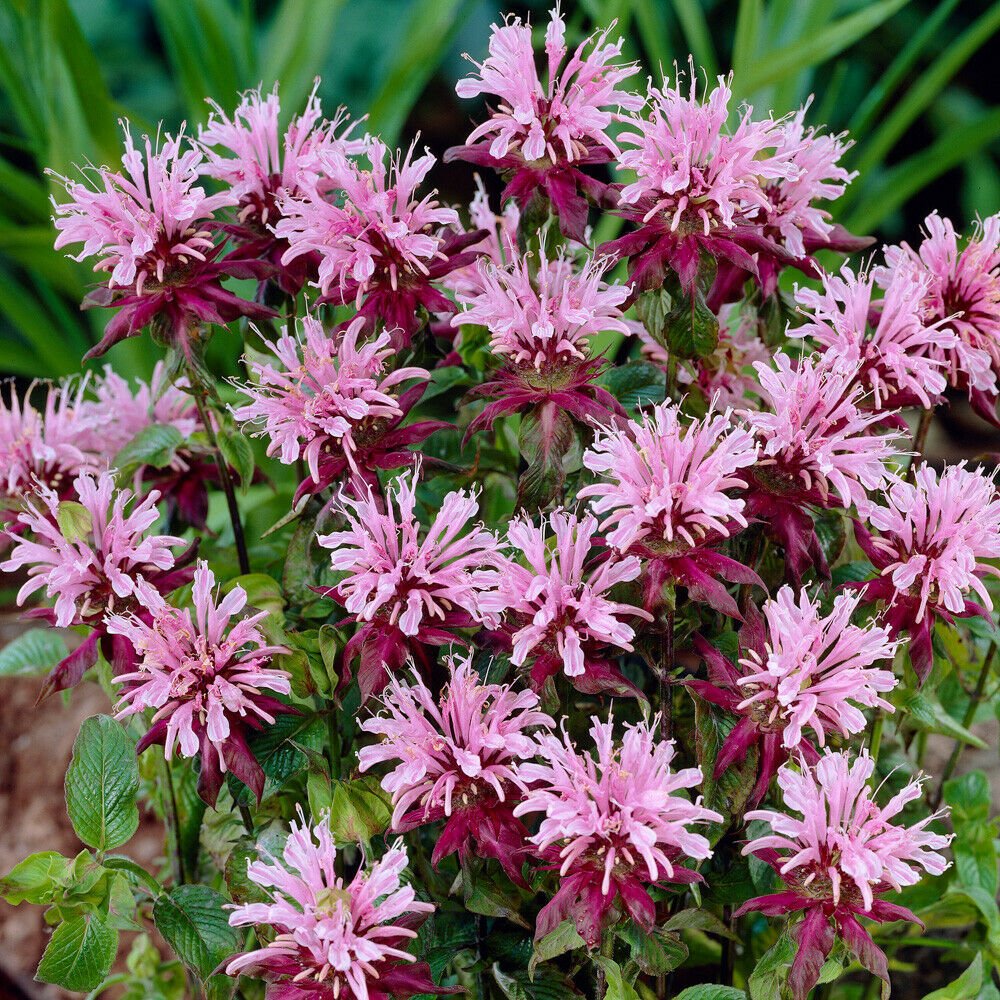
607 951
875 743
919 442
665 672
172 818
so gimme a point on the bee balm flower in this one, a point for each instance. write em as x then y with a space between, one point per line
335 940
611 825
457 758
836 856
203 677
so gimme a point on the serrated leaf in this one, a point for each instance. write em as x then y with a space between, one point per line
619 988
155 445
549 443
263 592
691 329
32 653
656 953
486 895
557 942
79 954
279 749
101 784
360 810
638 383
74 520
238 453
711 991
35 879
772 970
548 984
193 922
930 714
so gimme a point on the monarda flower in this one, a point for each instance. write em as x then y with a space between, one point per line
202 677
963 291
408 588
261 165
933 538
612 826
698 187
885 339
456 760
335 940
540 135
801 673
540 322
381 246
89 556
817 447
836 856
332 401
665 494
151 226
558 614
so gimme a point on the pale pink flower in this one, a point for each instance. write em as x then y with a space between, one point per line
144 220
99 563
842 844
886 340
544 315
202 676
816 670
335 940
562 120
456 758
558 608
814 437
613 823
963 290
324 392
665 484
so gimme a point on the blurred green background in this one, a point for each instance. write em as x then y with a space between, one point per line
913 80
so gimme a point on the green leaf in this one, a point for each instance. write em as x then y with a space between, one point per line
484 893
656 953
692 329
557 942
74 520
360 810
550 445
966 987
193 922
547 984
638 383
619 988
711 991
969 797
930 714
79 954
155 445
134 871
36 879
772 970
280 750
697 35
263 592
699 920
101 784
238 453
32 653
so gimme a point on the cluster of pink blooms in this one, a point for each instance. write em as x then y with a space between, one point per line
841 852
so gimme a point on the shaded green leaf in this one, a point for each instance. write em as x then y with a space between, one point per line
193 922
155 445
79 954
32 653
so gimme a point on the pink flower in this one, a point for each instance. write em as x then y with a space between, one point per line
698 186
380 245
886 341
408 587
457 758
332 401
542 133
612 825
963 290
557 609
202 677
840 853
934 537
150 228
335 940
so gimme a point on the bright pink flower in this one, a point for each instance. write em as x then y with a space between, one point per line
698 186
457 758
380 245
611 825
333 401
542 133
408 587
202 677
840 853
150 227
335 940
557 609
934 537
887 341
963 290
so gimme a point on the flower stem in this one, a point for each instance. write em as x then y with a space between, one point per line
607 950
173 826
970 714
224 477
875 743
665 672
919 442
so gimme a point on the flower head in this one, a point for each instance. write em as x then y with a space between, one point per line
89 556
840 852
328 399
934 537
202 676
380 244
542 132
456 758
336 940
611 824
963 291
558 609
410 586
